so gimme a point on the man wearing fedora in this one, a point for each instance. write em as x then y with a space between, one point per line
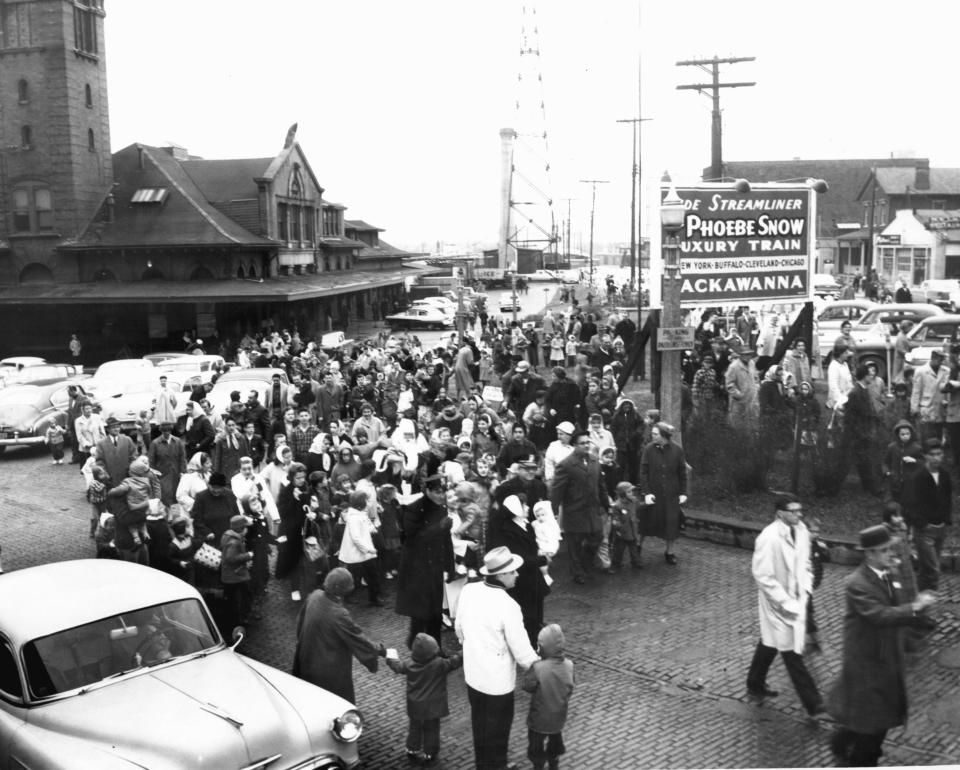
490 627
116 451
522 388
740 383
870 696
781 569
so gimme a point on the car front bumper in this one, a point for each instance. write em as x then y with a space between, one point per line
15 438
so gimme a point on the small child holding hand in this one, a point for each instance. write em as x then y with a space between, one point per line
426 695
623 526
550 680
53 438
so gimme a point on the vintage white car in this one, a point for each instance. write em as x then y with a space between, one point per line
107 664
126 394
420 317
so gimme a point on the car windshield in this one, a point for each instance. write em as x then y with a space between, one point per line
101 650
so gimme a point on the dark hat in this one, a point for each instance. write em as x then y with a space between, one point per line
239 521
874 537
937 353
217 479
111 420
932 444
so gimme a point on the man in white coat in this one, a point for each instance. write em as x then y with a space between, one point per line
490 628
781 567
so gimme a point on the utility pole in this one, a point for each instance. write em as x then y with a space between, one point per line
565 232
634 172
593 206
716 143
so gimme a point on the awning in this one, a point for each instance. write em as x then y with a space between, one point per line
283 289
862 234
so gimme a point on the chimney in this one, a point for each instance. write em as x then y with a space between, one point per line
922 180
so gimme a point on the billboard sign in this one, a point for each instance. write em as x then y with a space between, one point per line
746 247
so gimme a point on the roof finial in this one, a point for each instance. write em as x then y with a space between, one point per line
291 135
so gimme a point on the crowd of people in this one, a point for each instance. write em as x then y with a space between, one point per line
455 474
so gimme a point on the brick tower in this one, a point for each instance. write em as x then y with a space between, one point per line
55 163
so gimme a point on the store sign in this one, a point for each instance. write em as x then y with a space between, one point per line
888 240
746 247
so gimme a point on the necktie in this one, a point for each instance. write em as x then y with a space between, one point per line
114 440
889 585
793 535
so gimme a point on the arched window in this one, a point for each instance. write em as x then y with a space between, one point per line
32 208
26 137
296 182
88 95
23 91
252 272
240 272
91 140
201 274
36 273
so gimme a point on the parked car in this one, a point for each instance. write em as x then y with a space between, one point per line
158 358
833 316
332 341
542 275
38 372
112 665
932 333
127 394
12 365
439 303
243 380
509 304
192 370
420 317
883 321
26 411
826 285
944 292
109 369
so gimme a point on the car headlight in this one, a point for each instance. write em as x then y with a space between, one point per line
348 726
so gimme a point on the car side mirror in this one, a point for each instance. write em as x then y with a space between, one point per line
237 636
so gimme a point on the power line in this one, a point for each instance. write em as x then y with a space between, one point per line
593 205
716 141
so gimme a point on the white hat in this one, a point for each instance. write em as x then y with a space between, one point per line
500 560
566 427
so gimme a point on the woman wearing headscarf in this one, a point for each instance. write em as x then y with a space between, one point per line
193 481
320 456
775 410
328 639
627 429
347 464
274 475
293 505
663 480
516 534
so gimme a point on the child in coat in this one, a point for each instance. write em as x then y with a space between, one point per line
623 527
139 487
551 682
571 350
389 530
548 534
235 570
53 438
556 350
426 695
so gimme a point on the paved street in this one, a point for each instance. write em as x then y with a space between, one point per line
661 655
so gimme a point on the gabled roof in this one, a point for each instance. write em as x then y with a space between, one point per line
227 180
185 217
845 180
895 181
359 224
383 250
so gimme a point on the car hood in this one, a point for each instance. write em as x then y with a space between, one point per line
215 711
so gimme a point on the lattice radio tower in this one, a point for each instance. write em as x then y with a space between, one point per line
527 219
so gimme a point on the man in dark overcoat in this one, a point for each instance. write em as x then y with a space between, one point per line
870 697
663 479
168 457
115 452
328 639
577 492
427 553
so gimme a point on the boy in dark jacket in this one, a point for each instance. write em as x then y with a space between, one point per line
902 458
550 680
235 570
426 695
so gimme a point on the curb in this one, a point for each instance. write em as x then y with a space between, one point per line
738 533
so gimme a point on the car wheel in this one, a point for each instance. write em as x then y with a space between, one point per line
2 449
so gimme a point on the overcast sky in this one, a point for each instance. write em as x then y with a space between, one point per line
400 104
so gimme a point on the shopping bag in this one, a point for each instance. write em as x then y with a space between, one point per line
208 556
451 595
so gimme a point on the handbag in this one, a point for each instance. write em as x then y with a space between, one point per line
314 547
208 556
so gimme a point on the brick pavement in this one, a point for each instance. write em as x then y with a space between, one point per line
661 655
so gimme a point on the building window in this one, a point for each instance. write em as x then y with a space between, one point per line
26 137
88 95
295 223
309 225
296 183
91 141
281 221
32 209
85 26
15 25
23 91
938 205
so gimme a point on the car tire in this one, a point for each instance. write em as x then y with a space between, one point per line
2 449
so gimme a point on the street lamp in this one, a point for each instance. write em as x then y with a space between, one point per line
672 213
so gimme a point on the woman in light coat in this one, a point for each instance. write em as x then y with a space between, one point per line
463 380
